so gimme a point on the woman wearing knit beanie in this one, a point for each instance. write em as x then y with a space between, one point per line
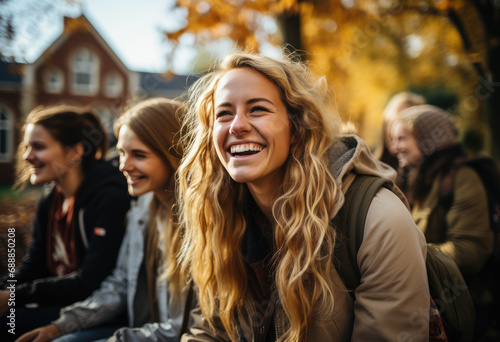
426 140
385 152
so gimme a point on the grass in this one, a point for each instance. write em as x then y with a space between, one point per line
7 193
17 210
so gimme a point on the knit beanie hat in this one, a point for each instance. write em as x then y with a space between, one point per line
431 126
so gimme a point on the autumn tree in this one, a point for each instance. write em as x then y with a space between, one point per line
247 23
371 49
369 53
22 21
476 23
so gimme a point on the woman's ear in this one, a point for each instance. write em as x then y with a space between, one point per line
75 154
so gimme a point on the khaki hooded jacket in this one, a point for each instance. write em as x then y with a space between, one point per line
392 302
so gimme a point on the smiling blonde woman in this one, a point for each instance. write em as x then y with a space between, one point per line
262 178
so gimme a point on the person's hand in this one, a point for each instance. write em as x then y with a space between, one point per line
43 334
4 300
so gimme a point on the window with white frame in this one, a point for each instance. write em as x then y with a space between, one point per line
85 72
113 85
54 81
6 134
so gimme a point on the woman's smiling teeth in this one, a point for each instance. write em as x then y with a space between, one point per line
133 180
36 168
244 149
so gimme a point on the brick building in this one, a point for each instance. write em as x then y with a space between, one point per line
78 68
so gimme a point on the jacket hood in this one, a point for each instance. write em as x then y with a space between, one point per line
349 155
100 176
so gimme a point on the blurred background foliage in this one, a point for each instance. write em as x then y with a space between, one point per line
446 50
369 50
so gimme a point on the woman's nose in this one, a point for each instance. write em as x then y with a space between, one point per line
28 154
125 164
393 146
240 124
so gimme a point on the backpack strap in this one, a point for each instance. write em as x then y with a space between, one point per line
190 304
350 225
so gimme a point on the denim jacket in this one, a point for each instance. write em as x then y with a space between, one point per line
119 291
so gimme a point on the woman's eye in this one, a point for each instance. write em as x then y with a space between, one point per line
222 113
259 109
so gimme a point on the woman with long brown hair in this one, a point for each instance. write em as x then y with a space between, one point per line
79 224
145 283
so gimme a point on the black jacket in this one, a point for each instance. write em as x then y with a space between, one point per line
102 201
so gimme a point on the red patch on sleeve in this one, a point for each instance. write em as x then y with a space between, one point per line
99 231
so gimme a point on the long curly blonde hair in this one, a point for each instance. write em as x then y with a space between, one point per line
212 203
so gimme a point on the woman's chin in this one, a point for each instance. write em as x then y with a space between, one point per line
37 180
137 191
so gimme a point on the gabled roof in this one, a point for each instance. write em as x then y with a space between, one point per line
77 24
159 84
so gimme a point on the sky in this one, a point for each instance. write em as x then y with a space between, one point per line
132 28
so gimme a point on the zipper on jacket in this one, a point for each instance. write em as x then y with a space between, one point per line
82 228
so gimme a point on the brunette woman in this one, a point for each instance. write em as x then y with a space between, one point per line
79 223
154 304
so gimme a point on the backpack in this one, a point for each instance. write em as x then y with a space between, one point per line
449 293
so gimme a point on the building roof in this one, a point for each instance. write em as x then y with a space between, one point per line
80 23
158 84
